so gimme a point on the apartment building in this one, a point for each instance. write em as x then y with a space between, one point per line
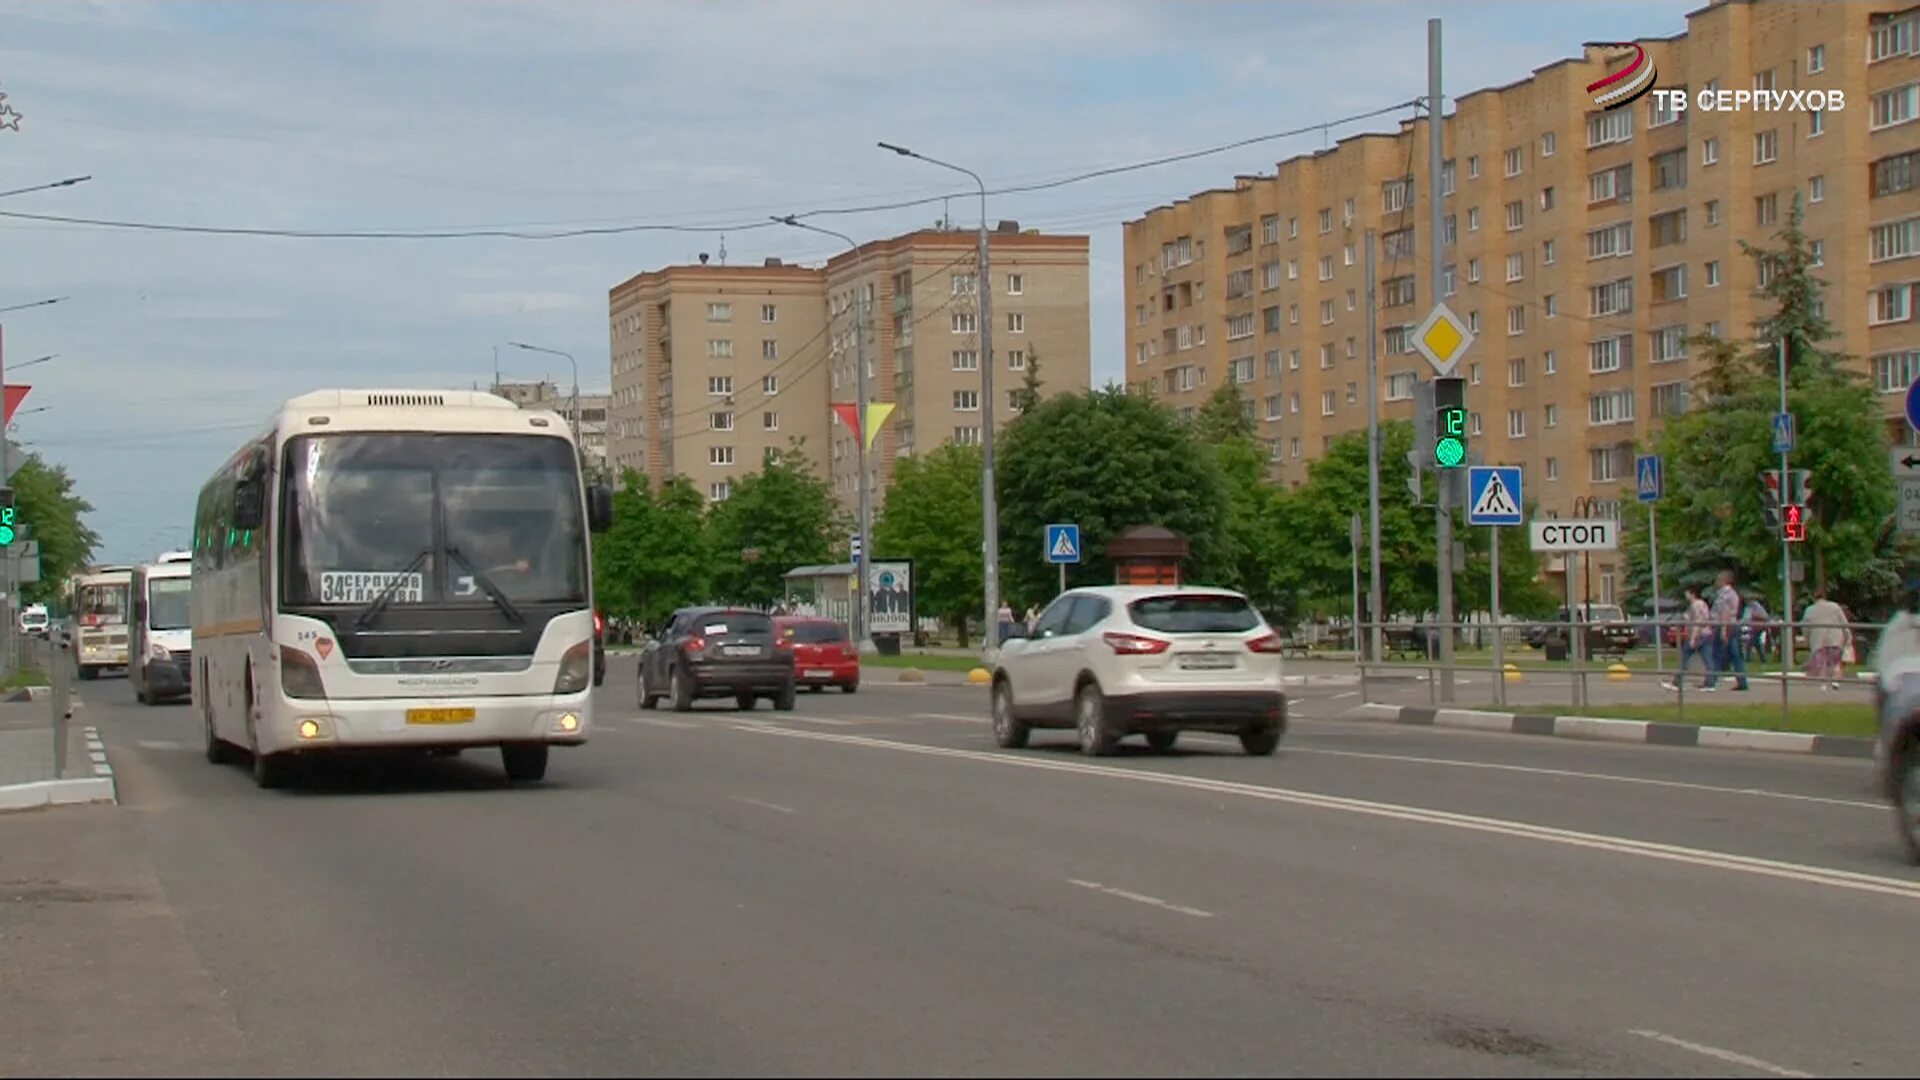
764 352
1581 246
548 395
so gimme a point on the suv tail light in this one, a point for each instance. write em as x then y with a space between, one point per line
696 644
1133 644
1266 643
299 674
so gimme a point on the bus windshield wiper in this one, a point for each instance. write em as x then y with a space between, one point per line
493 591
379 604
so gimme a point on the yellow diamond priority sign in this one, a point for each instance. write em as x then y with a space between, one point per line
1443 339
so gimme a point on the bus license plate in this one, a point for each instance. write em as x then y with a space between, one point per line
439 716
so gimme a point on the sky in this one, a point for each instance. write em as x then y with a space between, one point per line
172 348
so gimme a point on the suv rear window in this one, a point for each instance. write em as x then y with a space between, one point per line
736 623
815 633
1194 614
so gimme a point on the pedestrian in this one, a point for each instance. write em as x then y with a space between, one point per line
1758 629
1033 617
1827 639
1696 640
1005 617
1725 611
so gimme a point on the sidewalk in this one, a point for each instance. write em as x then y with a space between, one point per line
27 775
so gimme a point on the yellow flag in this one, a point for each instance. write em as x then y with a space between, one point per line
877 414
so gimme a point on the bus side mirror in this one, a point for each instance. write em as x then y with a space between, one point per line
599 508
249 505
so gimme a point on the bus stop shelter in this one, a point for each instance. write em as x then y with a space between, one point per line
824 591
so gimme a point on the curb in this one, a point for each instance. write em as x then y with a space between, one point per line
1602 729
98 788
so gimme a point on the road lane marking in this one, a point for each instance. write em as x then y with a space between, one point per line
1141 898
765 805
1698 857
156 744
952 716
1718 1054
655 721
825 720
1877 808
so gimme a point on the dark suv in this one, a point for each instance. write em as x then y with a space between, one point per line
713 652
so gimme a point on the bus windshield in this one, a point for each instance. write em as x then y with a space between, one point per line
167 603
101 604
364 509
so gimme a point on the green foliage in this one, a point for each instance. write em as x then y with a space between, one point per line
932 516
1028 395
776 519
1713 516
1225 415
655 557
1106 460
55 517
1319 516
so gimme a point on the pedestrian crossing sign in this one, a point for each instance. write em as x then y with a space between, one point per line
1063 543
1494 495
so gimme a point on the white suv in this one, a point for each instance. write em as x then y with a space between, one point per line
1121 660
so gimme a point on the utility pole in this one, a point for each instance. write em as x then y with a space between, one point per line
1786 546
1443 490
1376 589
6 557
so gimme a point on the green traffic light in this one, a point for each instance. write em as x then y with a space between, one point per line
6 536
1449 452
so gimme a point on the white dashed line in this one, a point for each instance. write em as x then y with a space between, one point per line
1141 898
765 805
654 721
1718 1054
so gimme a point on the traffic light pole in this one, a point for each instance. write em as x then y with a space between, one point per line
7 603
1786 545
1443 501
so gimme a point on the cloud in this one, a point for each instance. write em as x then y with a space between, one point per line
518 303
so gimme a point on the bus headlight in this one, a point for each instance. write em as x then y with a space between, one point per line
299 674
576 669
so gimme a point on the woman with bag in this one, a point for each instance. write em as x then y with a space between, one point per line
1828 639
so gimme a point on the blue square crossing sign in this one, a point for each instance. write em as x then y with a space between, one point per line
1063 544
1651 479
1493 495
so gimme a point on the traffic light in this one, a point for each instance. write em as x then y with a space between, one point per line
8 529
1793 523
1770 489
1450 423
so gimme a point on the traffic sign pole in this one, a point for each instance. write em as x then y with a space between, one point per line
1653 485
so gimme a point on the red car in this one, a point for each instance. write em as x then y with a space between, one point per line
823 654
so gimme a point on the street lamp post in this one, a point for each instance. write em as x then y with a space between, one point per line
581 450
989 509
862 607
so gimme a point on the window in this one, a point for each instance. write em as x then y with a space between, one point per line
1890 305
1516 158
1713 273
1473 219
1353 300
720 348
1240 326
1551 415
1293 403
719 385
1293 314
1766 208
1612 298
1273 363
719 455
769 385
1270 275
1817 251
1397 243
1326 356
1610 185
1473 374
1240 370
1516 266
1352 346
1816 59
1660 110
1547 143
967 436
1326 403
1610 407
1270 319
1516 424
966 322
1669 399
1549 306
1610 241
1473 166
1399 341
1473 271
1610 127
1473 321
1398 194
963 284
1766 146
1293 269
1400 386
1668 228
1896 106
1895 240
1601 461
1669 283
1670 344
1349 255
966 400
966 360
719 312
720 421
1293 228
1546 198
1450 229
719 490
1709 151
1609 354
1546 252
1517 372
1516 319
1891 37
1766 80
1017 321
1326 312
1239 239
1892 175
769 421
1353 393
1398 291
1816 123
1446 177
1669 170
1553 468
1894 372
1326 221
1347 211
1447 279
1270 229
1016 284
1016 360
1326 268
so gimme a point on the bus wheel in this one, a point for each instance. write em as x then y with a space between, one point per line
270 770
88 674
525 762
219 751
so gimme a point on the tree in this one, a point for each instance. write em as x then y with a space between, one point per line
1225 415
776 519
55 517
932 516
1028 395
655 557
1105 460
1253 556
1319 518
1714 453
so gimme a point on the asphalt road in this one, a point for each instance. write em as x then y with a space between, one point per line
867 887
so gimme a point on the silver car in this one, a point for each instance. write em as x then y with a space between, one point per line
1120 660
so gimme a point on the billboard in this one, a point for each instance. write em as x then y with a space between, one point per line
890 596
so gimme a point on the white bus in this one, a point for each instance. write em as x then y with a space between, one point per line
160 631
97 603
401 569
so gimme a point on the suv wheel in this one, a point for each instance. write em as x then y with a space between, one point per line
1090 717
682 686
1260 742
1008 733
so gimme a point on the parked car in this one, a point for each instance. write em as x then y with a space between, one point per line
709 652
1608 633
823 653
1115 661
1896 666
599 648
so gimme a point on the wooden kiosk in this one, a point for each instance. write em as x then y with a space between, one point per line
1147 555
